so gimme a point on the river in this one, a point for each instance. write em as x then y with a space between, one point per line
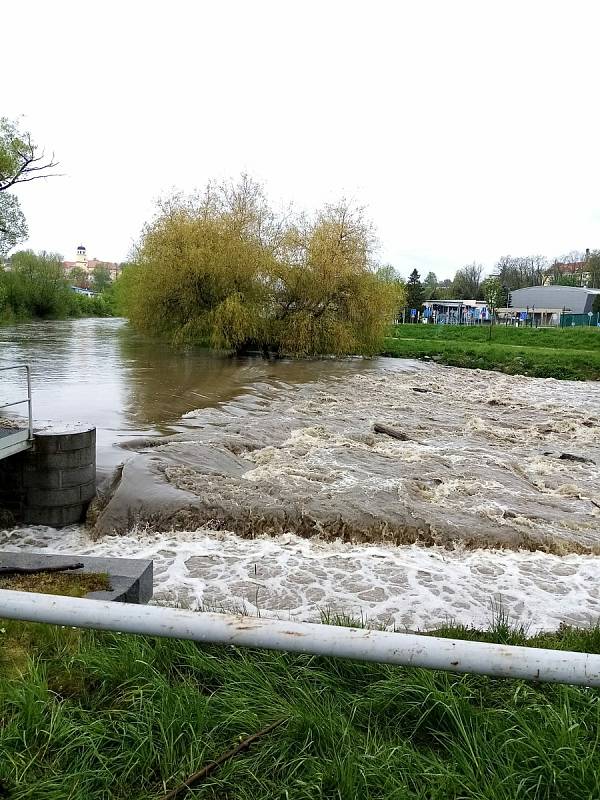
100 372
261 485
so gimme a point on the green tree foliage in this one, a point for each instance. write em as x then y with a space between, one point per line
593 269
430 286
100 278
13 227
568 280
224 270
516 272
121 290
20 158
328 297
34 285
203 268
467 282
444 290
494 293
414 291
79 277
20 162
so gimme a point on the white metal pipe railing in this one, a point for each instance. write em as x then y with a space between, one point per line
27 399
411 650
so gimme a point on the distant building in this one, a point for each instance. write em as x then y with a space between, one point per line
88 265
572 269
545 304
455 312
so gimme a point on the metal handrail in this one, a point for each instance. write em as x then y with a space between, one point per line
27 400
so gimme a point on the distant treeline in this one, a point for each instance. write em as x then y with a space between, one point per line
509 273
33 285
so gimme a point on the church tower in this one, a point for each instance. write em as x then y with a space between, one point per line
81 258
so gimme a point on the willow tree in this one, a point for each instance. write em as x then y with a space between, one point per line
222 269
328 295
202 266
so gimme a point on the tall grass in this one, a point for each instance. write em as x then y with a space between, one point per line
101 715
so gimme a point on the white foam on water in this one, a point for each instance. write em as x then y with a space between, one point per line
292 578
484 456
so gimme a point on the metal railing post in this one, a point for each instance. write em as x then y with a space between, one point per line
29 404
27 400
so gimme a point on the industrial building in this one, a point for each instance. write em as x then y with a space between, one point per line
545 305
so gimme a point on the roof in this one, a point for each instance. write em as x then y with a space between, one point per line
517 309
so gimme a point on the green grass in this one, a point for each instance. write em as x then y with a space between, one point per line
568 354
99 715
71 584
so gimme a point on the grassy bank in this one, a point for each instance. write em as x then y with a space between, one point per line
569 354
99 715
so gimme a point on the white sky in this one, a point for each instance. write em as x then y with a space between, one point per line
469 129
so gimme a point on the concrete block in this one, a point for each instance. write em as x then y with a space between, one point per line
131 579
80 476
53 483
55 442
69 460
56 517
42 479
51 498
88 491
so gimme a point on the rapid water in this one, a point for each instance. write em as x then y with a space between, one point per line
256 469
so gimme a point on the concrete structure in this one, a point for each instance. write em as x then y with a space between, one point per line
13 438
53 481
546 303
130 578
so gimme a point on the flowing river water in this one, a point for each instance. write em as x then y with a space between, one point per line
262 486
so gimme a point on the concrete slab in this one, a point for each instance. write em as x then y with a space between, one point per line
130 578
13 440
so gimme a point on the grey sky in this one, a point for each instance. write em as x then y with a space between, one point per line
469 129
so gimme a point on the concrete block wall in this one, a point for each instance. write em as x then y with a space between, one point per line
53 483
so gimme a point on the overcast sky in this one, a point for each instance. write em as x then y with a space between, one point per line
470 130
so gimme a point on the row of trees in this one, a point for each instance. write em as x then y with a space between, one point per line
467 284
223 268
97 281
34 285
509 273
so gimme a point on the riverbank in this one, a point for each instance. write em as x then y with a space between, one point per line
92 715
75 306
564 354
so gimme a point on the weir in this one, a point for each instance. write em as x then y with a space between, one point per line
47 477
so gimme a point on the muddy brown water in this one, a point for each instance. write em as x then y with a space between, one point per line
100 372
263 485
